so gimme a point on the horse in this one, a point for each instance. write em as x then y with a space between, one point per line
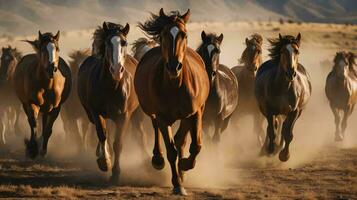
141 46
72 111
42 83
341 90
172 84
106 90
9 59
223 95
282 87
251 59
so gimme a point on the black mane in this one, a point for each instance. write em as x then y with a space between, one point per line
278 43
99 36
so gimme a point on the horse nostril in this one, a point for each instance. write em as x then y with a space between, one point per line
179 67
122 70
213 74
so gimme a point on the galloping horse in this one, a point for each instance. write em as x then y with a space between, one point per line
9 59
341 90
247 105
282 87
106 90
72 111
172 84
42 83
223 95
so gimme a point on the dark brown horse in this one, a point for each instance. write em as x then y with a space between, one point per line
72 112
223 95
341 90
282 87
251 60
9 108
106 90
42 83
172 84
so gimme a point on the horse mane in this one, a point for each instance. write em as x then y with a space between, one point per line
256 39
153 26
77 56
211 37
140 43
99 36
278 43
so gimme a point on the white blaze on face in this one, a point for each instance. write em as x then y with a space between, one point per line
210 49
290 48
52 53
118 52
174 31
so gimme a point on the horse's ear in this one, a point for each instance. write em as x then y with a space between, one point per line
298 38
246 41
162 13
280 37
57 35
105 26
220 38
39 35
3 49
186 16
203 36
126 29
34 44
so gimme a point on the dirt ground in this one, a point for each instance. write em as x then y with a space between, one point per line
318 168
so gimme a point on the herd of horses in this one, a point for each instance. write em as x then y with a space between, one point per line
167 81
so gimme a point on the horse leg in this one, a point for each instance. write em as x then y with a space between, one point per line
180 141
121 126
48 120
17 126
217 131
102 152
258 128
171 155
186 164
346 113
157 160
84 127
270 138
338 136
287 134
3 128
32 112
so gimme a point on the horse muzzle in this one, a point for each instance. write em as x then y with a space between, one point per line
117 72
174 68
51 69
290 74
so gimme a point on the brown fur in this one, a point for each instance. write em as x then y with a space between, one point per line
282 88
171 85
107 96
42 88
251 59
341 90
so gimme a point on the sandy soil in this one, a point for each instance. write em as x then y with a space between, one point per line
318 168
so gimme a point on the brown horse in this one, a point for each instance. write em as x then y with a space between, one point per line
72 112
106 90
251 60
9 106
42 83
223 95
282 87
341 90
172 84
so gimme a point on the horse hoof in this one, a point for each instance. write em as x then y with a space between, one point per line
271 149
104 164
158 162
186 164
284 156
31 148
179 191
114 179
338 138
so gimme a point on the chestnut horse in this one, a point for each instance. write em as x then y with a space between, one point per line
72 112
9 108
106 90
42 83
341 90
251 60
282 87
223 96
172 84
